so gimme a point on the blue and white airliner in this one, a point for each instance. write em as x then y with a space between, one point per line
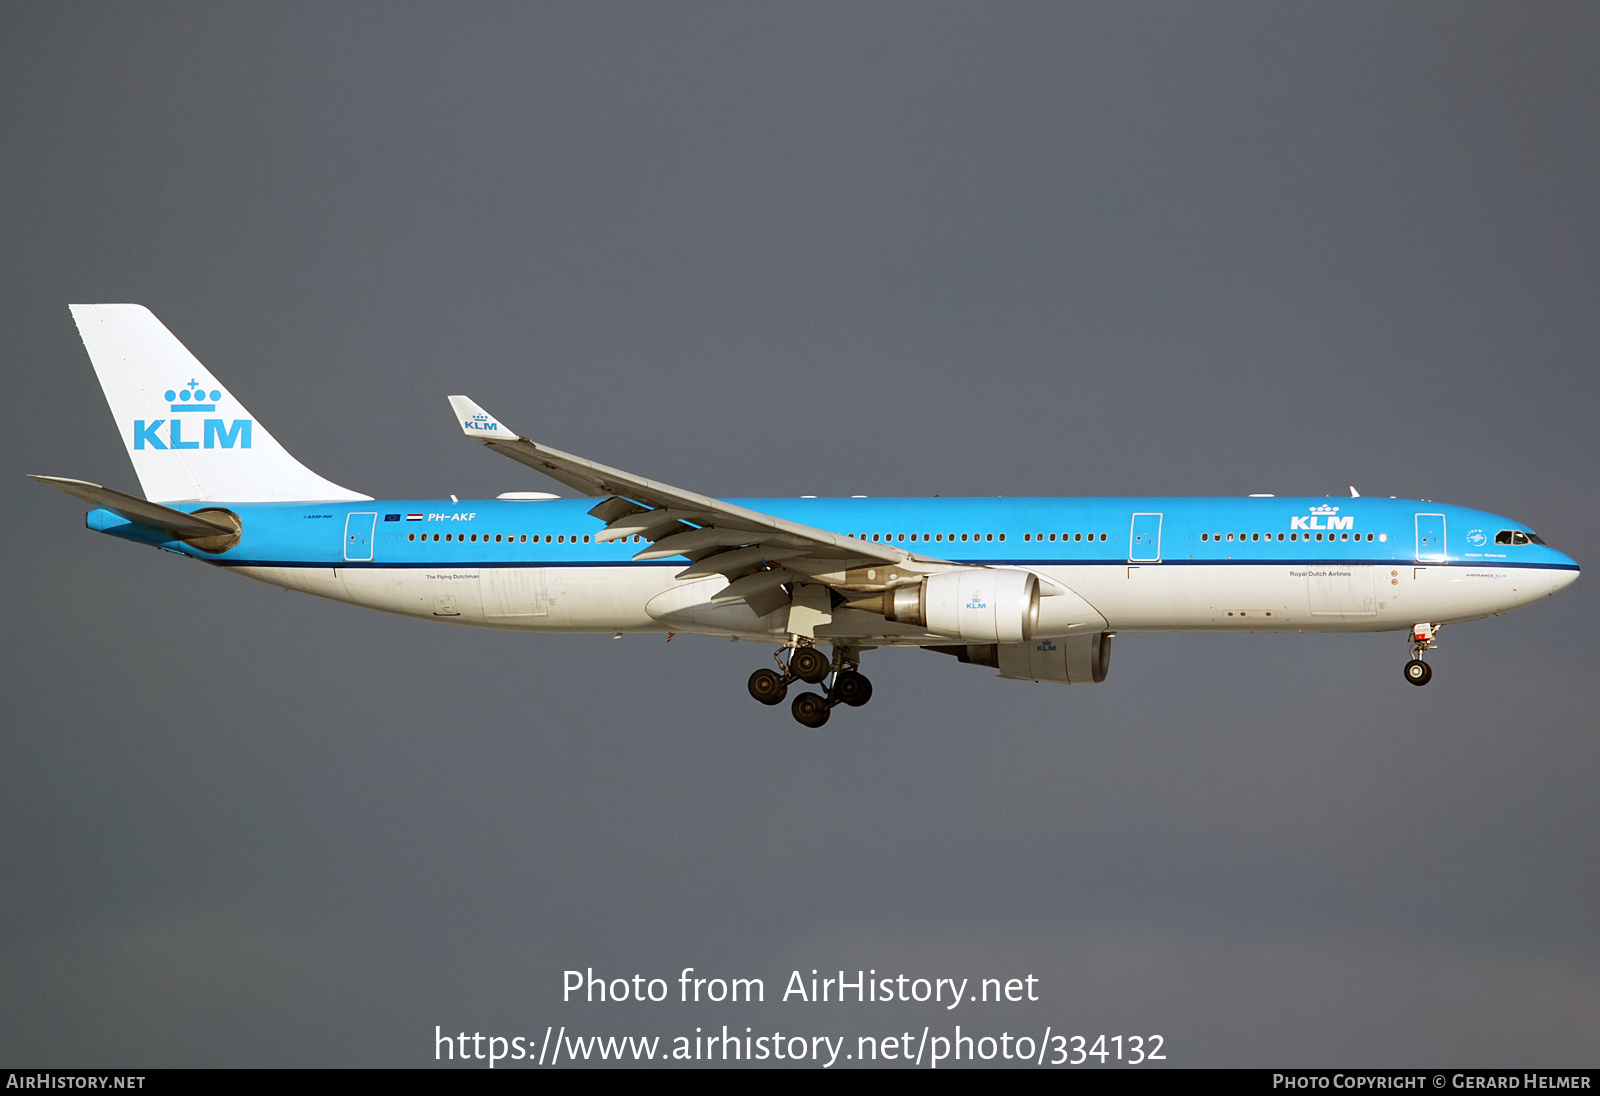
1034 587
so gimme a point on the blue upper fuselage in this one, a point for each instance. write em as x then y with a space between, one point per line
1029 531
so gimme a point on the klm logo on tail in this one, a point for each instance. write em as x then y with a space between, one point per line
190 398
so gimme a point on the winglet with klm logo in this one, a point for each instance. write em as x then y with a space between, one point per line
476 422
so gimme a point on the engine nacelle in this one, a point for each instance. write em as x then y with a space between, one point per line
1072 660
977 604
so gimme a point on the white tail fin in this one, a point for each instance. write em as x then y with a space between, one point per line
188 438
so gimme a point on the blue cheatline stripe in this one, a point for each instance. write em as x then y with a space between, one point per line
679 564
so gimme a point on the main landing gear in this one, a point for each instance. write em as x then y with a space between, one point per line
849 686
1423 639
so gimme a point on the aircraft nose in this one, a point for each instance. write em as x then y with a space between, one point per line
1564 572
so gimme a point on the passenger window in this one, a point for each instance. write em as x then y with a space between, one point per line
963 538
1052 537
586 538
1294 536
991 536
1205 536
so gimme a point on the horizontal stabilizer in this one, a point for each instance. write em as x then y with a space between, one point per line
179 524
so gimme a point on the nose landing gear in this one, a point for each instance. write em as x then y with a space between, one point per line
1423 639
805 663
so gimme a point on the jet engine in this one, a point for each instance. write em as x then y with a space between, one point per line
978 604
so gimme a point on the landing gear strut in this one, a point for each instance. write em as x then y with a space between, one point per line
806 663
1423 639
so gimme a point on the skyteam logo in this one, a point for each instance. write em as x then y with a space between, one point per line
1317 516
189 398
1477 538
482 423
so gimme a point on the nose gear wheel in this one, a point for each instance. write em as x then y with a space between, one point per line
1423 638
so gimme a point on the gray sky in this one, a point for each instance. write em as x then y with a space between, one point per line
782 249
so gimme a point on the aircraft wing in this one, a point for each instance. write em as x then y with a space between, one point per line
716 536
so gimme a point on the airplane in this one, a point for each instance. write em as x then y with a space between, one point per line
1032 587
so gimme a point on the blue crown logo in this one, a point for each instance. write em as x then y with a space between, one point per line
1324 509
192 397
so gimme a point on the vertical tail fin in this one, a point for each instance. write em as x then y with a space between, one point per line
188 438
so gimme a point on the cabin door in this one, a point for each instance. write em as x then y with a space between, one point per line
1430 538
358 536
1144 539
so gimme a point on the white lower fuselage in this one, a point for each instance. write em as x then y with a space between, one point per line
1155 597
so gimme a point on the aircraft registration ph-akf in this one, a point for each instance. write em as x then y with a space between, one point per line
1034 587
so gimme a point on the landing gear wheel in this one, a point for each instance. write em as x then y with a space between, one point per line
809 665
1418 672
810 709
852 688
768 686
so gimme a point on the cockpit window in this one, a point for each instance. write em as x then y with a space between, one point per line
1503 537
1537 539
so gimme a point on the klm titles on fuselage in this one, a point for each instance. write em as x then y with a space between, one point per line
1314 521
